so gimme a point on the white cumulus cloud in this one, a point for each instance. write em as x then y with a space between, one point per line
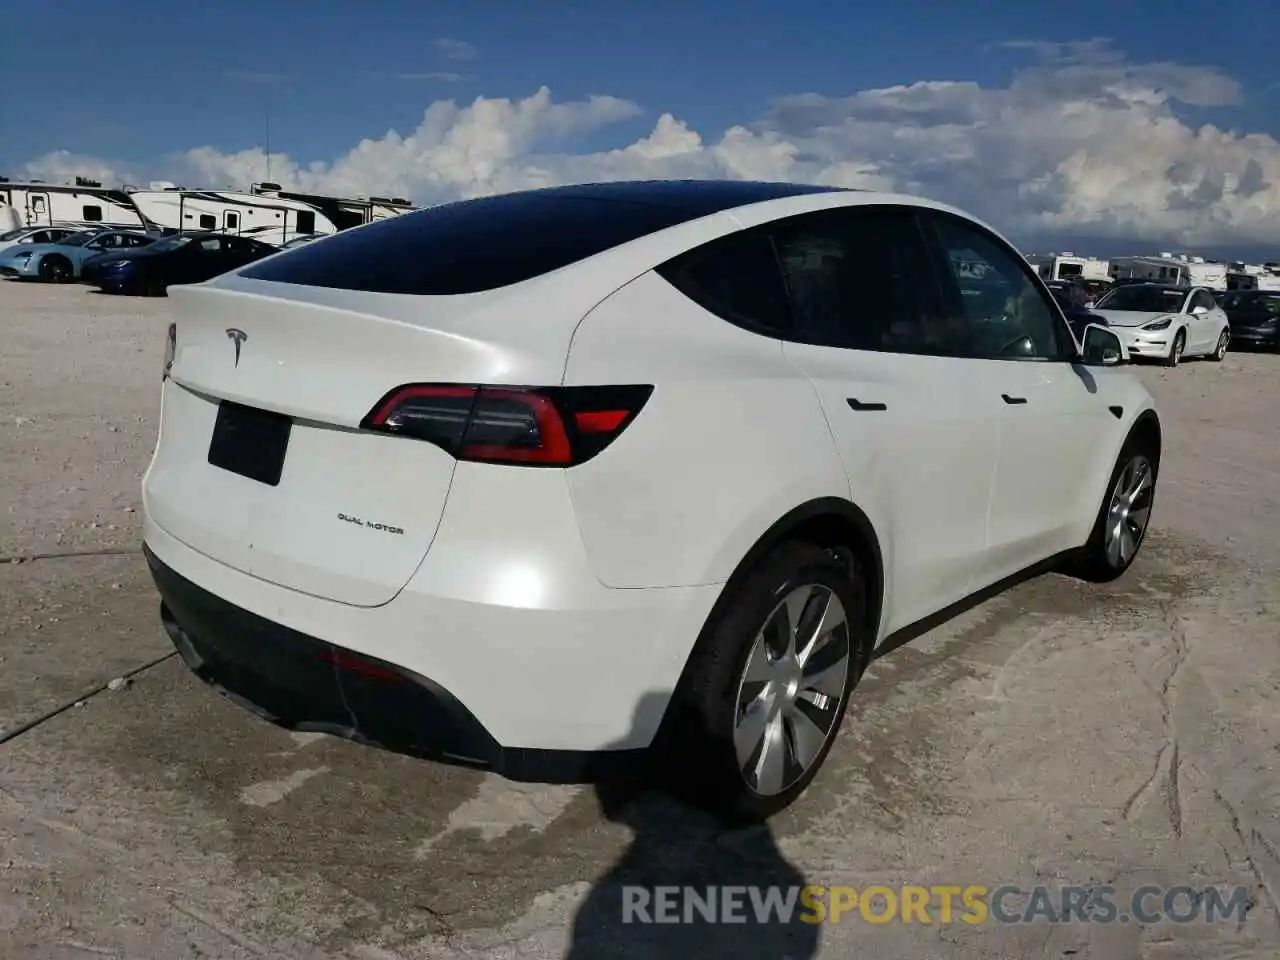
1081 141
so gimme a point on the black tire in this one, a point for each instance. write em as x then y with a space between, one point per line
55 269
1175 352
1220 351
695 754
1093 563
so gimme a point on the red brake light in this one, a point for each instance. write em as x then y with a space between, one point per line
534 426
600 421
358 664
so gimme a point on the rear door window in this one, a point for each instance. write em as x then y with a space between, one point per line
861 279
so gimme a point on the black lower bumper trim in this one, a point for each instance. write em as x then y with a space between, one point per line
1255 338
302 683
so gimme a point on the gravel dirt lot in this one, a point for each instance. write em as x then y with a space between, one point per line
1128 734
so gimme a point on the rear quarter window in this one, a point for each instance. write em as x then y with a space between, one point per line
738 279
469 246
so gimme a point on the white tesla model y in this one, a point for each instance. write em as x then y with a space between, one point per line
539 481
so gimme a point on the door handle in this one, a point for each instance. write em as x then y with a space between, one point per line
1009 399
856 404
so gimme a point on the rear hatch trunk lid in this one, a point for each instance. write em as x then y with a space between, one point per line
305 499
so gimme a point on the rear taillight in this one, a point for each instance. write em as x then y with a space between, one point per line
535 426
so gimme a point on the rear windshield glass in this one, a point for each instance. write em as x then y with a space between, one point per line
491 242
468 246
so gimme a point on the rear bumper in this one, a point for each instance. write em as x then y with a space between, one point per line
303 683
558 695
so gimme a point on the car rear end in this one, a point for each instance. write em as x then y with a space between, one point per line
359 518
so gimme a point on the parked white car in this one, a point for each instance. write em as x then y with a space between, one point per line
1167 323
547 482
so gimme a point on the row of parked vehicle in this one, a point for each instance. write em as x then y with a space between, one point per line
1169 322
124 261
1156 321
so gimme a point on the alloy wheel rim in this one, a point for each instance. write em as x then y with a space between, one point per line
791 689
1222 345
1129 511
1177 347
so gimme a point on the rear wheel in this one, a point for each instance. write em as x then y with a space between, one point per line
1220 350
1175 352
767 688
1121 525
55 270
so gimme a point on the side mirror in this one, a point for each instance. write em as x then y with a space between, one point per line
1199 311
1102 348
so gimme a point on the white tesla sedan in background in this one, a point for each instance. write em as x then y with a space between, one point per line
543 480
1168 323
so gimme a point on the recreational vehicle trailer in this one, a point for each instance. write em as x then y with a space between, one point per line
1177 270
383 207
81 203
178 209
1067 266
1057 266
1249 276
345 212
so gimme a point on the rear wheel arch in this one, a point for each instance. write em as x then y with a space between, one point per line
827 522
830 524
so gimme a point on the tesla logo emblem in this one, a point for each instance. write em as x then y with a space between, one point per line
237 337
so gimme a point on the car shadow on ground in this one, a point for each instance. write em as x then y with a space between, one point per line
672 891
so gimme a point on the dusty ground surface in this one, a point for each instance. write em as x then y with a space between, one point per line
1057 734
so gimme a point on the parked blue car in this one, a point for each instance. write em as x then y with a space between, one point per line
61 262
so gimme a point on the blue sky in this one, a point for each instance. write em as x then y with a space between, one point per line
184 69
128 84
